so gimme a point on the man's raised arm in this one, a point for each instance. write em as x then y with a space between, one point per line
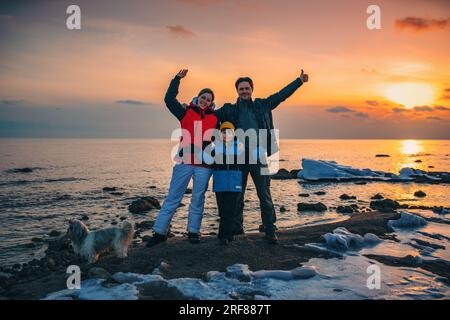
274 100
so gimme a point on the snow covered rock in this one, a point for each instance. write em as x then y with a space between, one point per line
242 272
407 220
93 290
440 210
342 239
411 174
313 170
321 169
371 238
297 273
239 271
128 277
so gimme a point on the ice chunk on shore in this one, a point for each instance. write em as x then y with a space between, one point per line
239 271
441 210
407 220
238 280
135 278
410 173
297 273
371 238
321 169
243 273
330 170
341 278
342 239
92 289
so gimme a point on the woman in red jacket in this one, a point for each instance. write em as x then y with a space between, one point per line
196 121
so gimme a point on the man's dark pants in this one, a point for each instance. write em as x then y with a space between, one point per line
262 184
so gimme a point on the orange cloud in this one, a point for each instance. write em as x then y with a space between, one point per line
423 109
132 102
339 109
446 95
362 115
373 103
398 110
421 24
179 30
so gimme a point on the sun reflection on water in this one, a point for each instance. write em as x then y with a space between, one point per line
410 147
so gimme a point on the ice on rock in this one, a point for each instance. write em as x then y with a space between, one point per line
410 173
317 248
243 273
321 169
128 277
371 238
238 279
407 220
197 289
344 278
330 170
304 272
297 273
342 240
314 247
162 268
92 289
239 271
211 275
124 291
274 274
441 210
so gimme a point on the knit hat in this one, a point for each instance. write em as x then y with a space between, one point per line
227 125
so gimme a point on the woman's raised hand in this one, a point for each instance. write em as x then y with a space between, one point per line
182 73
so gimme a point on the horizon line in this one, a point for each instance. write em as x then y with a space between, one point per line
155 138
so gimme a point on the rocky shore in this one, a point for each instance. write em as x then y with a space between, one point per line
179 258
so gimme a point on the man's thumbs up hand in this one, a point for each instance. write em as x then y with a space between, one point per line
304 77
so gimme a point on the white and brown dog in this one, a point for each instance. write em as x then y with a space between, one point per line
90 244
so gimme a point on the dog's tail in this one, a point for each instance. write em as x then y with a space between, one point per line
127 229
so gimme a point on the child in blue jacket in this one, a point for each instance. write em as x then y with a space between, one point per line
227 182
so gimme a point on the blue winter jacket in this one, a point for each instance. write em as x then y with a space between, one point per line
227 175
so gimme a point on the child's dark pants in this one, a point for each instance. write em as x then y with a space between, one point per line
230 215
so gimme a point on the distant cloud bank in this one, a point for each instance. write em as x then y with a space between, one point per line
421 24
179 30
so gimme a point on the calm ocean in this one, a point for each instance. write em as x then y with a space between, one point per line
69 174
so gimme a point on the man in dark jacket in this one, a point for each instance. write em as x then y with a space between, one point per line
249 114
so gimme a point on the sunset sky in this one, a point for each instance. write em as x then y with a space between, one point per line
109 78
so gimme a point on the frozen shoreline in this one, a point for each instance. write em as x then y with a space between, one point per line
321 170
182 269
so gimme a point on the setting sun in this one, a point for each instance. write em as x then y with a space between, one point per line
410 94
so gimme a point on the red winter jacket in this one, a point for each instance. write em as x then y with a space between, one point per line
195 122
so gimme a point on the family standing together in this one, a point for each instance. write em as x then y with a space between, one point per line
226 157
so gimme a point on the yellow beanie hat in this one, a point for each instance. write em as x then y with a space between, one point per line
227 125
